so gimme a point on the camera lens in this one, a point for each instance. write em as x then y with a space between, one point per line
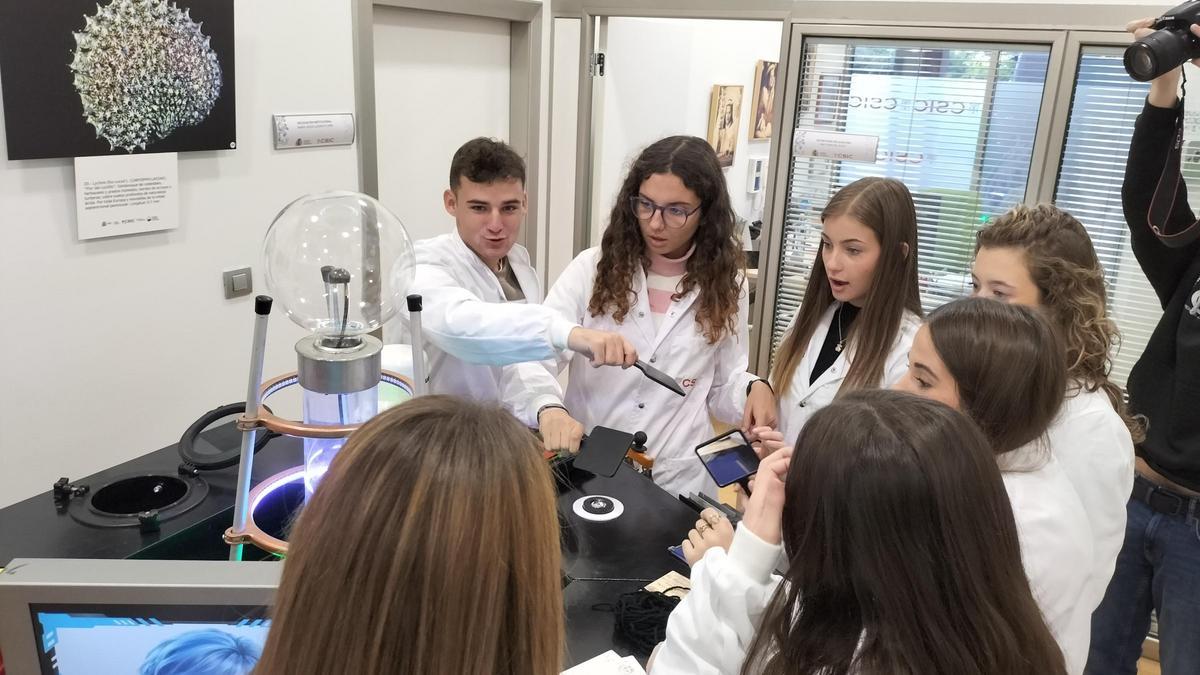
1157 53
1139 62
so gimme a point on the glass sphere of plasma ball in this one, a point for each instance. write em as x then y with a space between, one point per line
339 263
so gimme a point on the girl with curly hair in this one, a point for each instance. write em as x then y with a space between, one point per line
862 305
668 275
1043 257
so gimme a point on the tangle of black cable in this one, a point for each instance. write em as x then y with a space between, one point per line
641 617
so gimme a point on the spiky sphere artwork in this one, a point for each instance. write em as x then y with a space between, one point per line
143 69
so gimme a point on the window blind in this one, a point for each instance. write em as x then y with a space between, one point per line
954 121
1104 105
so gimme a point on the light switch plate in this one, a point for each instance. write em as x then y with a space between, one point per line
237 282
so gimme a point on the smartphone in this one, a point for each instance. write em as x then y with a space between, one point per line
603 451
728 458
677 551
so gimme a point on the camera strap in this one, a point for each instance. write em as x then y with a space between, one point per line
1162 204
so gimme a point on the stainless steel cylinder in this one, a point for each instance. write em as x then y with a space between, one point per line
339 371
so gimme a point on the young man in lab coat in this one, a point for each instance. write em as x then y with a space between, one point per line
485 329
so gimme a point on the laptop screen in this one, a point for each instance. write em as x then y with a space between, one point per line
148 639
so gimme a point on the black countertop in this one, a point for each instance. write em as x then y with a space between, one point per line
601 560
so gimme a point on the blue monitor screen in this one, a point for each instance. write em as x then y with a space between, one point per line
149 639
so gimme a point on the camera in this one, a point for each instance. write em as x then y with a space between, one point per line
1168 47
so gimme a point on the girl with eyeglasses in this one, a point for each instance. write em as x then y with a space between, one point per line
668 275
861 307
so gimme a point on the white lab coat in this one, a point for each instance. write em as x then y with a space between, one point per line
478 345
1095 450
710 632
803 399
1056 545
714 376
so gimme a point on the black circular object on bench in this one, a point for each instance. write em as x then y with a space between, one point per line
120 502
131 496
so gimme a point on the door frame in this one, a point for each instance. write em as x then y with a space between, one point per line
528 107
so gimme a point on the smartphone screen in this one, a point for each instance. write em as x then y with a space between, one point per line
677 551
728 458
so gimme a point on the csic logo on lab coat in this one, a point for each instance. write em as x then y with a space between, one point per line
688 383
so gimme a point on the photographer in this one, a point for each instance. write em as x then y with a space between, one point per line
1159 565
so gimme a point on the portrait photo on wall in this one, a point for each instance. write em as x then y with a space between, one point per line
122 76
763 101
724 111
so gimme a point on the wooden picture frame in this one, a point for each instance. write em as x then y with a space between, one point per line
724 115
762 102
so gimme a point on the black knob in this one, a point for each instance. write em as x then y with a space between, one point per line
639 441
414 303
148 521
262 305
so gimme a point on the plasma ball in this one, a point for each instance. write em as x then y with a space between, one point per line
142 69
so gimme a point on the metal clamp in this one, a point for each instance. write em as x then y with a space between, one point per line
266 418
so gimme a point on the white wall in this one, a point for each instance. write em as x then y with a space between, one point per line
658 81
440 80
114 346
564 111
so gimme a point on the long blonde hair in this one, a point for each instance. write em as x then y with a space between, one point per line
1063 265
886 207
431 546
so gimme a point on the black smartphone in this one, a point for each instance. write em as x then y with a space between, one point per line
603 451
729 458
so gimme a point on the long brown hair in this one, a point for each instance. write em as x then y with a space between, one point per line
430 546
1007 363
903 555
886 206
1062 263
718 260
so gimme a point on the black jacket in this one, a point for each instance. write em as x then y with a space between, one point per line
1165 383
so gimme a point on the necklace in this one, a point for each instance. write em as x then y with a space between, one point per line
841 340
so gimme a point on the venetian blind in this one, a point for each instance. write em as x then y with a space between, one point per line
1104 105
954 121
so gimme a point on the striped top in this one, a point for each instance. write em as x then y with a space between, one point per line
662 282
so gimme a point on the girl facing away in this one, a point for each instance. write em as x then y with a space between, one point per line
423 551
902 556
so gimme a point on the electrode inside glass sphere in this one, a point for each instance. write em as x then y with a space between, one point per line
340 264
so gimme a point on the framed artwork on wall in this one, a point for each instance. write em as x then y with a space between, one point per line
119 77
724 113
763 100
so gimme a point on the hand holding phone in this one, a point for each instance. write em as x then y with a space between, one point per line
729 458
764 510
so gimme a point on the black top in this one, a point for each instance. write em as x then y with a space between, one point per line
839 330
1165 383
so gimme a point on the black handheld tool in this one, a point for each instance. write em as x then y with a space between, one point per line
660 377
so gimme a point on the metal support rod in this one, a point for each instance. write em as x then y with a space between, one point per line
258 351
420 387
